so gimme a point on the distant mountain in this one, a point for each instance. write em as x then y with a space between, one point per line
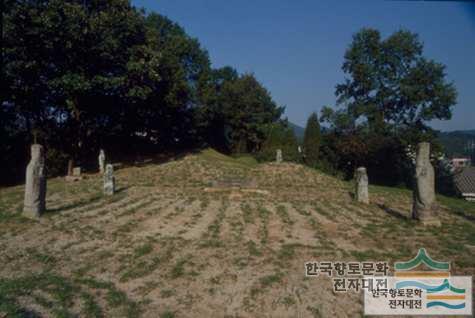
458 142
298 131
461 132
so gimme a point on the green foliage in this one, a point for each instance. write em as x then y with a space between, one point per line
85 75
392 82
279 136
239 109
311 140
58 295
391 92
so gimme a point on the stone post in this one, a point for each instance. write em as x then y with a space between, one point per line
102 161
278 156
109 180
361 191
70 167
424 190
35 186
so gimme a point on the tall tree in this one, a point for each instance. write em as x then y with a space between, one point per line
185 74
279 135
390 94
247 108
210 116
312 140
77 67
391 83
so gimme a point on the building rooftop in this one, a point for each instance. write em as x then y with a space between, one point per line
465 180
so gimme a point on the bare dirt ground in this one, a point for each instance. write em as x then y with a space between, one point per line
162 246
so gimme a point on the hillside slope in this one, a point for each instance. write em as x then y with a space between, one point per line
180 239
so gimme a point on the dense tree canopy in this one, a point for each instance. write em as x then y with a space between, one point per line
279 136
80 75
391 82
311 140
392 92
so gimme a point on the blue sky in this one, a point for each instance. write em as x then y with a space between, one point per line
296 48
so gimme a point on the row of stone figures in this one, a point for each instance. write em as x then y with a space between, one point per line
35 186
423 195
424 205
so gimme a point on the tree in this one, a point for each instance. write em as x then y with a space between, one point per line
175 104
210 116
311 140
392 84
279 136
78 75
245 108
77 69
391 92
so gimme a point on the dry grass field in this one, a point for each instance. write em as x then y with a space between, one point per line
175 241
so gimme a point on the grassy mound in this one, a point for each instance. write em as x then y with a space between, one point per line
164 246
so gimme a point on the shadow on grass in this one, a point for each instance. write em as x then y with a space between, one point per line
394 213
74 205
119 194
464 215
459 207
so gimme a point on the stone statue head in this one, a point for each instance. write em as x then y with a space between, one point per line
109 170
361 174
36 152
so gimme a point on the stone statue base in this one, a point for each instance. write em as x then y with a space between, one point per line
73 178
431 222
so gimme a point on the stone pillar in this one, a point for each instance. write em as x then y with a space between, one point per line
77 172
70 167
102 161
109 180
424 190
35 186
278 156
361 191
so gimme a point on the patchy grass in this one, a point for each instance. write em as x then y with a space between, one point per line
458 206
57 295
169 249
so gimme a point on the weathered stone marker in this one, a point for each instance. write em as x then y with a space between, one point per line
424 206
102 160
75 175
70 167
109 180
278 156
77 171
361 191
35 186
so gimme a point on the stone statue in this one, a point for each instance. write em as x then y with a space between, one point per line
424 190
361 191
278 156
102 160
77 172
35 186
109 180
70 167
